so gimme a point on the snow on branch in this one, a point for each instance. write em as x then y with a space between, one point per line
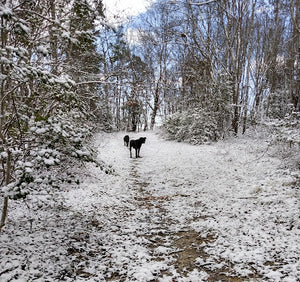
201 3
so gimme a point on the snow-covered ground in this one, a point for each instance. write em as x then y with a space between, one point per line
222 212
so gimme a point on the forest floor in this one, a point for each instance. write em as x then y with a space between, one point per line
228 211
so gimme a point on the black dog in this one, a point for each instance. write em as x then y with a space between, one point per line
126 140
136 144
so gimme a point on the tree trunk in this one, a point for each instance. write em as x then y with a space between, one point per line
155 105
2 94
53 38
4 212
2 122
249 52
7 181
236 112
295 97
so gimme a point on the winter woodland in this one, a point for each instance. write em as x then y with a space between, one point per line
214 86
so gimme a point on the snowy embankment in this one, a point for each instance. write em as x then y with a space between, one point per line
222 212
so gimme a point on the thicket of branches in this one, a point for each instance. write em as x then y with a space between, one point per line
236 60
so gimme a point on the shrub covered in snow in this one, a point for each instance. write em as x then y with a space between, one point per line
195 126
285 139
49 145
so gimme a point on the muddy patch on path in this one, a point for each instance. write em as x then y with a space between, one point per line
192 247
183 251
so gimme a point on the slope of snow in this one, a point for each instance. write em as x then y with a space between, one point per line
179 213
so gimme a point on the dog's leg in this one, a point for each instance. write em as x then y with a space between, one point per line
130 152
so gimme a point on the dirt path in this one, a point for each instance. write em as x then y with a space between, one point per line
194 207
221 212
178 249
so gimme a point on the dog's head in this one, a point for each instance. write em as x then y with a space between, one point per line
143 139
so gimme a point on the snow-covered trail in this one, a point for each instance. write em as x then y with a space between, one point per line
193 213
222 212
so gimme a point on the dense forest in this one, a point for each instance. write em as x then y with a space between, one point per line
204 70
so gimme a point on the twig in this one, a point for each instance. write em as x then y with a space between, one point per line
9 269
